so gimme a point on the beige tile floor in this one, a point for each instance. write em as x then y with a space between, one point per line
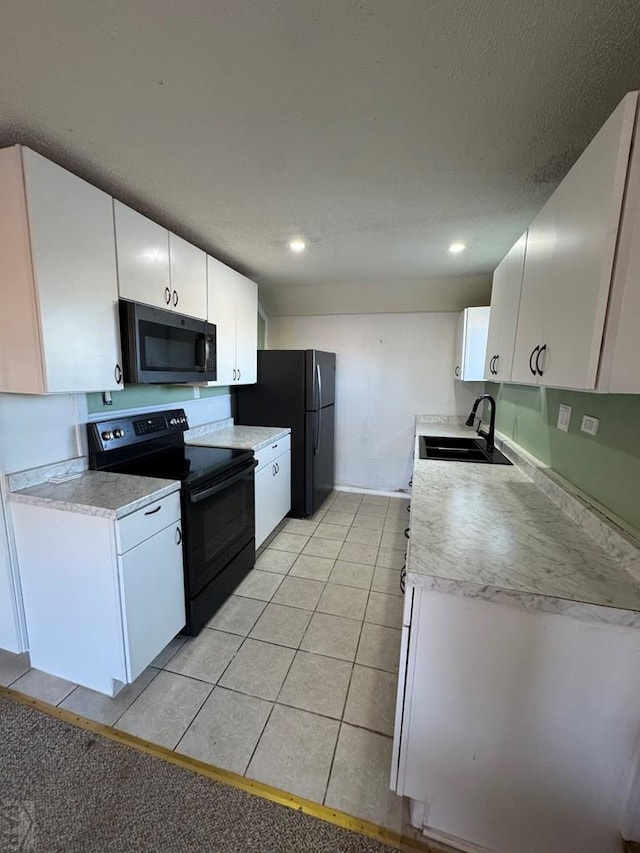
293 681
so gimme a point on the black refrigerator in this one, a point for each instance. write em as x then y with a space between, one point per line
296 388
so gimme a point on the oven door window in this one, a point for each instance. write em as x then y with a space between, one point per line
169 349
219 527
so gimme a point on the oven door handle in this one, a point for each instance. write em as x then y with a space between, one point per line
196 497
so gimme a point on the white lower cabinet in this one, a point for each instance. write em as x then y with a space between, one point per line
102 597
514 731
272 487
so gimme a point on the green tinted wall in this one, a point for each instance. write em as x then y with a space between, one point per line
137 396
606 467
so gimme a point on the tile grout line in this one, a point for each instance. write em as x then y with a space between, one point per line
346 696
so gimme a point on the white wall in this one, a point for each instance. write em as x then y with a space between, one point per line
390 367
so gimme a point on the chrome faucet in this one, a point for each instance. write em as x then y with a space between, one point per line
489 436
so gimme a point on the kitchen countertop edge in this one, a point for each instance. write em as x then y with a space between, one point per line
31 497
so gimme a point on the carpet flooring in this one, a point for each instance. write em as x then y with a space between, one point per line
63 788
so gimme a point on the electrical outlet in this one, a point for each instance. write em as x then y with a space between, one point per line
590 425
564 417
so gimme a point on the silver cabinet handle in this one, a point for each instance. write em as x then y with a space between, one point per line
178 536
167 295
154 511
234 374
273 470
273 446
277 467
239 374
457 370
117 373
175 298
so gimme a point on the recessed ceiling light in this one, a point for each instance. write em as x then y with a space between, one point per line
297 245
456 248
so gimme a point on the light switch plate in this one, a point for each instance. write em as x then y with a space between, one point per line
590 425
564 417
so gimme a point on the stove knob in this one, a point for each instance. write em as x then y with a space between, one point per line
107 435
173 421
118 433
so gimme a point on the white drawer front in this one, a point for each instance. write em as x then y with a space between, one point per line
272 451
140 525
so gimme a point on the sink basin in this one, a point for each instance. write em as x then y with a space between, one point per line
459 449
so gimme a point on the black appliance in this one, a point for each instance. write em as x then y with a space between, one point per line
217 499
163 347
296 388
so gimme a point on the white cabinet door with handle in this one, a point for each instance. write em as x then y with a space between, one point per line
59 327
503 319
143 258
152 594
188 266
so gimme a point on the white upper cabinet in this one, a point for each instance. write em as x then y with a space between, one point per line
503 318
188 268
143 258
233 307
569 264
471 344
158 268
620 357
59 324
246 331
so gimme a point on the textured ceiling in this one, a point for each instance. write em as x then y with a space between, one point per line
378 130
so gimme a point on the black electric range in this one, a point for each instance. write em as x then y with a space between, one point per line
217 499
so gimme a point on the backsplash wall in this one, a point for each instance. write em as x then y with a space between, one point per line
606 467
141 396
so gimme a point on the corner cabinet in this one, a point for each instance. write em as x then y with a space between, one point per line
503 318
272 486
59 324
471 344
233 307
569 264
159 268
100 628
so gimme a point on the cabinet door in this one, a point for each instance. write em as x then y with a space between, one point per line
143 258
152 594
459 352
282 487
221 310
536 293
74 263
264 505
272 495
475 343
588 205
188 278
503 318
246 331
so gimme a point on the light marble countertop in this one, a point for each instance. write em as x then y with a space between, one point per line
489 531
235 436
98 493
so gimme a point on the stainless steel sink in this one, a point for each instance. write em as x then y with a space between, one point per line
459 449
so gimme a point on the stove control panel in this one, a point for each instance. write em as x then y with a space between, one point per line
121 432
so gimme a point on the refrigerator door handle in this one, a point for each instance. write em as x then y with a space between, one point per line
319 385
319 431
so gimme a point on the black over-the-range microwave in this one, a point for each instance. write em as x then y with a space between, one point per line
163 347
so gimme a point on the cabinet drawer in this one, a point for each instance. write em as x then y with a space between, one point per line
272 451
143 523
